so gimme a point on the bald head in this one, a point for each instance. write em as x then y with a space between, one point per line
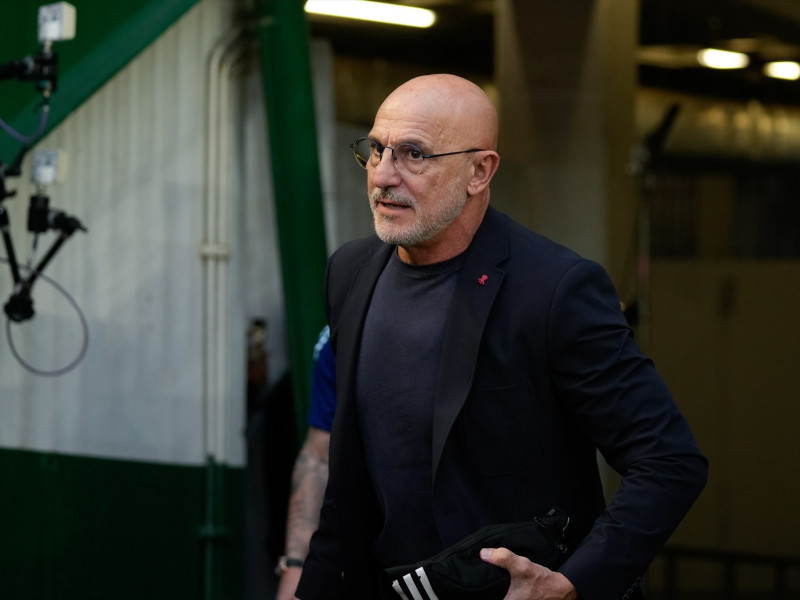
432 211
459 110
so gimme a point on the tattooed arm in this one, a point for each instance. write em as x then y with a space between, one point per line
309 479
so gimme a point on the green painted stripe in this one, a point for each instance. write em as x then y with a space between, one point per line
286 67
76 528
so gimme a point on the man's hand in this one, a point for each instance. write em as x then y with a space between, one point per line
529 581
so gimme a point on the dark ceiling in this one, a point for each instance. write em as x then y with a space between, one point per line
671 32
462 35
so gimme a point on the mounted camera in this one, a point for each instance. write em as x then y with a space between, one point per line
49 167
56 23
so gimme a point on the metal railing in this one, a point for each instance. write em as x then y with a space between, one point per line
731 564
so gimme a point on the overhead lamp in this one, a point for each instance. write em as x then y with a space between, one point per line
783 69
722 59
380 12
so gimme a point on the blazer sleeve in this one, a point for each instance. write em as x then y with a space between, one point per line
322 570
613 390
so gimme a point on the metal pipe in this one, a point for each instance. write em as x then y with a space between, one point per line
215 252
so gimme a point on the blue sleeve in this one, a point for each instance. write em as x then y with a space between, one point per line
323 384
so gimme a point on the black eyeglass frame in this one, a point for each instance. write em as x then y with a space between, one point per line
380 147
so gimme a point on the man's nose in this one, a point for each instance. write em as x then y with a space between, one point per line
385 172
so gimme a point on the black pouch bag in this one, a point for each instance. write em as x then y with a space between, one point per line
458 573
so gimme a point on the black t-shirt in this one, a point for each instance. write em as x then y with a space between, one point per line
395 389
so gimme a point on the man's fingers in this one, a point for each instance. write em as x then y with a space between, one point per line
500 557
529 579
516 565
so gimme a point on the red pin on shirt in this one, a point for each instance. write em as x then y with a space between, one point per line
482 279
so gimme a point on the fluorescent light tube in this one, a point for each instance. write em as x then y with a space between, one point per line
783 69
722 59
379 12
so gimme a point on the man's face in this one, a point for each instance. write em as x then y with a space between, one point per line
412 209
407 219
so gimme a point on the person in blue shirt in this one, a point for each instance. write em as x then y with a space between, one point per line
310 474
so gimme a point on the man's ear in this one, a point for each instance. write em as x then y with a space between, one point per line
483 169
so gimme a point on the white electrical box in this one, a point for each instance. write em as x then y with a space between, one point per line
49 167
56 22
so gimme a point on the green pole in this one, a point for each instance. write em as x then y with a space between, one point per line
297 188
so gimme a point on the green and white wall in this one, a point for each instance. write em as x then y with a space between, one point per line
124 477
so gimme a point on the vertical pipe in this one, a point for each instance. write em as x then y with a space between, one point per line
215 252
729 578
286 67
779 582
670 576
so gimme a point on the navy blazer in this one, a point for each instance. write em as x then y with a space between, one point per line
539 370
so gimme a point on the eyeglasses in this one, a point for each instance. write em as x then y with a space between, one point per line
407 157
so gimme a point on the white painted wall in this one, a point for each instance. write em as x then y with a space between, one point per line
137 179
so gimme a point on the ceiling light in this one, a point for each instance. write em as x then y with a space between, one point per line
722 59
783 69
380 12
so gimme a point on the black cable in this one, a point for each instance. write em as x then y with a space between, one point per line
84 326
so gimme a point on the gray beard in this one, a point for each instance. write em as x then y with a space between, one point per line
427 224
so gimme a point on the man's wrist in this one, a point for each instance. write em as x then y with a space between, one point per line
287 562
569 591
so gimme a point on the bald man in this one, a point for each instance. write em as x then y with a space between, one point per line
480 367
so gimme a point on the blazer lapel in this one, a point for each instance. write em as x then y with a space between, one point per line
348 332
358 299
477 287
